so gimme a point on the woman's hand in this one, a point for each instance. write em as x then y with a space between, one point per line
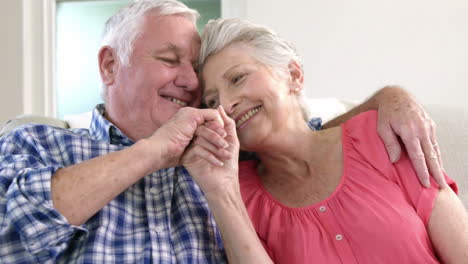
212 163
215 168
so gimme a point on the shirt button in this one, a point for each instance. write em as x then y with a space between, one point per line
159 229
339 237
322 208
154 190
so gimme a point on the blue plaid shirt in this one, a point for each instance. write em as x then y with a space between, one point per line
163 218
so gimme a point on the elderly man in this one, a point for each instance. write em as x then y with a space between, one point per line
114 192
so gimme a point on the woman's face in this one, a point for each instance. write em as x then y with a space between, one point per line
259 101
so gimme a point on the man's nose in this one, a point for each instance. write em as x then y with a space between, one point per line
187 78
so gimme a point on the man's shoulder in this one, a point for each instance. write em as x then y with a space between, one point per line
42 130
35 135
53 145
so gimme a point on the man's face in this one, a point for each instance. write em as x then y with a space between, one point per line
160 78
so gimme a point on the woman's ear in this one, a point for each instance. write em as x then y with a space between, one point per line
296 76
107 65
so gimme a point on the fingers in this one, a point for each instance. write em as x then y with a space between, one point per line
203 153
230 125
390 141
200 116
432 161
435 145
215 126
213 116
435 160
416 155
402 116
218 152
211 136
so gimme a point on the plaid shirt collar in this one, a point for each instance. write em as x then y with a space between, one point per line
103 129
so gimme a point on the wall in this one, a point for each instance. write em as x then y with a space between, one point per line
351 48
27 57
11 103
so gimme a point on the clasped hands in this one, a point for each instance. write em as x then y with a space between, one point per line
213 155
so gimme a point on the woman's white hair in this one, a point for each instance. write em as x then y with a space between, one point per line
267 47
122 29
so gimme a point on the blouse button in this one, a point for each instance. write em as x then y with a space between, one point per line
339 237
322 208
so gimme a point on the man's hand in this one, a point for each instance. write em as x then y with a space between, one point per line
215 169
401 116
175 135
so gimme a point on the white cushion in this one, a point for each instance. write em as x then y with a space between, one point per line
82 120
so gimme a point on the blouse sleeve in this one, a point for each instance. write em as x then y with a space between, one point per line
363 132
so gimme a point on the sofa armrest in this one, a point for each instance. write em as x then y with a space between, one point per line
27 119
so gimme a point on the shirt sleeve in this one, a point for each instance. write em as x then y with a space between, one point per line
29 222
363 131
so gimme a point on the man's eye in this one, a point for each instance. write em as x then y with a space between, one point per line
169 60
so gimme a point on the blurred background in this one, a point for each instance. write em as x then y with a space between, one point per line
350 49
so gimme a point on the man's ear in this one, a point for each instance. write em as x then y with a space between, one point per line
296 76
107 65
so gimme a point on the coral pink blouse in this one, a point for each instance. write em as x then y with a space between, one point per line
378 213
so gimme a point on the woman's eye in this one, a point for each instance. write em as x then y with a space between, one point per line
237 78
212 103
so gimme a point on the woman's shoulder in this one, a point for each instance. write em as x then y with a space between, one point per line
362 122
362 128
361 140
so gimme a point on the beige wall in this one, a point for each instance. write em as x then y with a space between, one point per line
11 103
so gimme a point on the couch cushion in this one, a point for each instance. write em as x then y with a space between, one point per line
452 135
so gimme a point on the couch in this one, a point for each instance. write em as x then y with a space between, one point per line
452 132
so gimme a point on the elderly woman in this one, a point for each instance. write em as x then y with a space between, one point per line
329 196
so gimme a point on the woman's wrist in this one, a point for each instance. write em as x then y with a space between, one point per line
227 196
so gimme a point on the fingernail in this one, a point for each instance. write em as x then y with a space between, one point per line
444 184
222 132
393 158
427 183
219 163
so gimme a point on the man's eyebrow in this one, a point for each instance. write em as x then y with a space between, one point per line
168 48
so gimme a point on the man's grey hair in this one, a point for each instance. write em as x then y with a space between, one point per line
121 30
266 46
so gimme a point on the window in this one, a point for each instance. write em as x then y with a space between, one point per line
79 25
